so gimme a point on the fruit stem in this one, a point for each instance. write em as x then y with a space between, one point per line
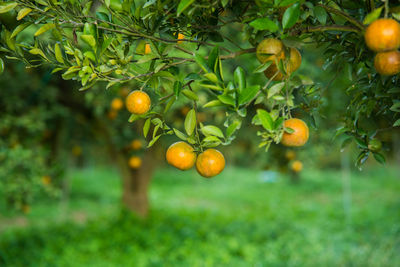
386 8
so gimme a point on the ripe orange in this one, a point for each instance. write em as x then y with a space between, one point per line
210 163
180 36
290 155
181 155
383 35
138 102
276 52
147 49
135 162
117 103
297 166
136 144
387 63
300 135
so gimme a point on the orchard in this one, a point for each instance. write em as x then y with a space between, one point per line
202 86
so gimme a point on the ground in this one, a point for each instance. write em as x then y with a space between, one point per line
235 219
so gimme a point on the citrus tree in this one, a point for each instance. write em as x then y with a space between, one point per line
192 51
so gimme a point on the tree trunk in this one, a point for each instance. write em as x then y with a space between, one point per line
135 183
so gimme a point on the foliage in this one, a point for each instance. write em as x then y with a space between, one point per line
272 223
92 41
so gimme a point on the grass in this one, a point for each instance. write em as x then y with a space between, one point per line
231 220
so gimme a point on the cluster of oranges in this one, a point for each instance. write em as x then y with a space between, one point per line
182 156
274 50
383 37
295 165
135 161
116 105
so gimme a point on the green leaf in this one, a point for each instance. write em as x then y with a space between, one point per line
58 53
180 135
263 67
248 94
320 14
265 119
239 78
396 123
361 143
202 63
189 94
169 104
374 15
213 59
134 117
19 29
211 139
291 16
264 24
212 87
275 89
183 4
5 7
1 66
395 107
213 103
211 77
153 141
226 99
37 51
146 127
379 158
232 128
23 12
190 122
212 130
45 28
89 39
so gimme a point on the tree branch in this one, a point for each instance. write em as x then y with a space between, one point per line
338 12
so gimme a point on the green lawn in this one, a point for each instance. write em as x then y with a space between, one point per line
231 220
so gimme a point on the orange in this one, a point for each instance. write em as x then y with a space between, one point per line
290 155
147 49
124 92
387 63
181 155
210 163
375 145
180 36
185 110
136 144
276 53
117 103
138 102
300 135
269 49
297 166
46 180
112 114
383 35
290 66
135 162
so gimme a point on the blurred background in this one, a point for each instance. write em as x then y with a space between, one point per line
66 159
